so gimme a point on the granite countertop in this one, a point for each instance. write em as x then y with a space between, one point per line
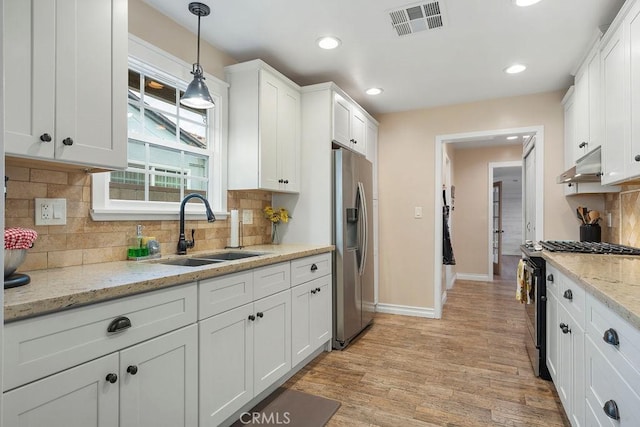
61 288
612 279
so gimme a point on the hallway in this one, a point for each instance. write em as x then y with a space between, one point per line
468 369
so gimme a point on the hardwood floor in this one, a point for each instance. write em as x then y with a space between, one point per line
468 369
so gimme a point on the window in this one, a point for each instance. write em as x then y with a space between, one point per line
173 150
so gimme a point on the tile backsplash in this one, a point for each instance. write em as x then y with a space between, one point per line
85 241
625 214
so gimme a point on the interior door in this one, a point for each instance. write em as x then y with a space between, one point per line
497 226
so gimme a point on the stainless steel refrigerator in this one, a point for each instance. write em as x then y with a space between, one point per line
353 294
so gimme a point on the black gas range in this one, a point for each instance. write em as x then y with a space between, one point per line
588 247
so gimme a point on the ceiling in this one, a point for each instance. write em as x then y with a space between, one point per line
460 62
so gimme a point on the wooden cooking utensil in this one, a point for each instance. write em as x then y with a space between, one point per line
581 214
594 217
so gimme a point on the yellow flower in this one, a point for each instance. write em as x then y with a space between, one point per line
276 215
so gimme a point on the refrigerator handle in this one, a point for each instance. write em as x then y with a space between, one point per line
365 227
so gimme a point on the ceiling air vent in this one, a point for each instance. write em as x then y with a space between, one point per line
418 17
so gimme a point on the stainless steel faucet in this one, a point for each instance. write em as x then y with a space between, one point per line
184 244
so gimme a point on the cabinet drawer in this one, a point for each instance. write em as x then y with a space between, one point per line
309 268
271 279
601 320
224 293
37 347
605 383
572 296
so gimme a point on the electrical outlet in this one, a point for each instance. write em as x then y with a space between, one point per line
51 211
247 216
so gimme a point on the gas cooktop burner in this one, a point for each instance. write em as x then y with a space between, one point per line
588 247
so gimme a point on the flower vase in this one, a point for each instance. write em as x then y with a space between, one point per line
275 237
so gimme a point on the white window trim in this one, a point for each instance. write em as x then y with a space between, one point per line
104 209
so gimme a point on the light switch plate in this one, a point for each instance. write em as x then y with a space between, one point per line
50 211
247 216
417 212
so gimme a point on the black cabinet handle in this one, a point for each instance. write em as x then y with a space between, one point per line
112 378
611 337
132 369
67 141
611 409
637 158
252 317
565 328
352 140
45 137
260 314
119 324
313 291
583 144
568 294
314 267
550 278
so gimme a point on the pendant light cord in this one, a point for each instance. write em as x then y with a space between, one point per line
198 53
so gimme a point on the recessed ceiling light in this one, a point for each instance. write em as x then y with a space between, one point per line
515 69
512 137
329 42
524 3
374 91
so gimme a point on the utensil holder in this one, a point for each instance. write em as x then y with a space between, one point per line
590 233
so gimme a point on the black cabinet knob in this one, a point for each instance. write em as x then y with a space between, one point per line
67 141
286 181
112 378
132 369
550 278
314 267
583 144
281 180
318 289
45 137
611 337
565 328
637 158
353 141
260 314
611 409
313 291
568 294
252 317
119 324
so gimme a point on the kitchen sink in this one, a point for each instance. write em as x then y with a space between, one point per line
191 262
229 256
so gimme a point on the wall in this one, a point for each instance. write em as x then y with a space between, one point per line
470 238
84 241
406 179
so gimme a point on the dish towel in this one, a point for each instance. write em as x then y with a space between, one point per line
521 293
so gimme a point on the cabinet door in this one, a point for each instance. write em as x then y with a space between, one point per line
272 339
77 397
358 132
91 89
570 145
341 120
269 95
571 368
320 311
29 61
581 108
226 371
613 95
159 381
372 154
595 110
301 345
632 24
289 139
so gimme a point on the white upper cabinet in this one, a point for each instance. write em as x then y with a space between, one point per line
65 102
349 124
264 129
588 130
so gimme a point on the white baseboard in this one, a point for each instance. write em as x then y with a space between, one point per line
473 277
452 281
406 310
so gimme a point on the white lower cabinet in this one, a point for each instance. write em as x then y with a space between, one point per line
570 376
242 352
311 317
150 384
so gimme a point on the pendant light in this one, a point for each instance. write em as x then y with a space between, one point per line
197 95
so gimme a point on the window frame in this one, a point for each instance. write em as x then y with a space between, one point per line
145 55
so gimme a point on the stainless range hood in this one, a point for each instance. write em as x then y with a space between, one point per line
588 168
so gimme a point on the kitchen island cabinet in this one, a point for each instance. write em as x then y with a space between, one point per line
68 104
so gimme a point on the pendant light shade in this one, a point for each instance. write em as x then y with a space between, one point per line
197 95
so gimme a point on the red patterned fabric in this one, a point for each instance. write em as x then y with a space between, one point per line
19 238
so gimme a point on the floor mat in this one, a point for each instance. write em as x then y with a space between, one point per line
290 408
